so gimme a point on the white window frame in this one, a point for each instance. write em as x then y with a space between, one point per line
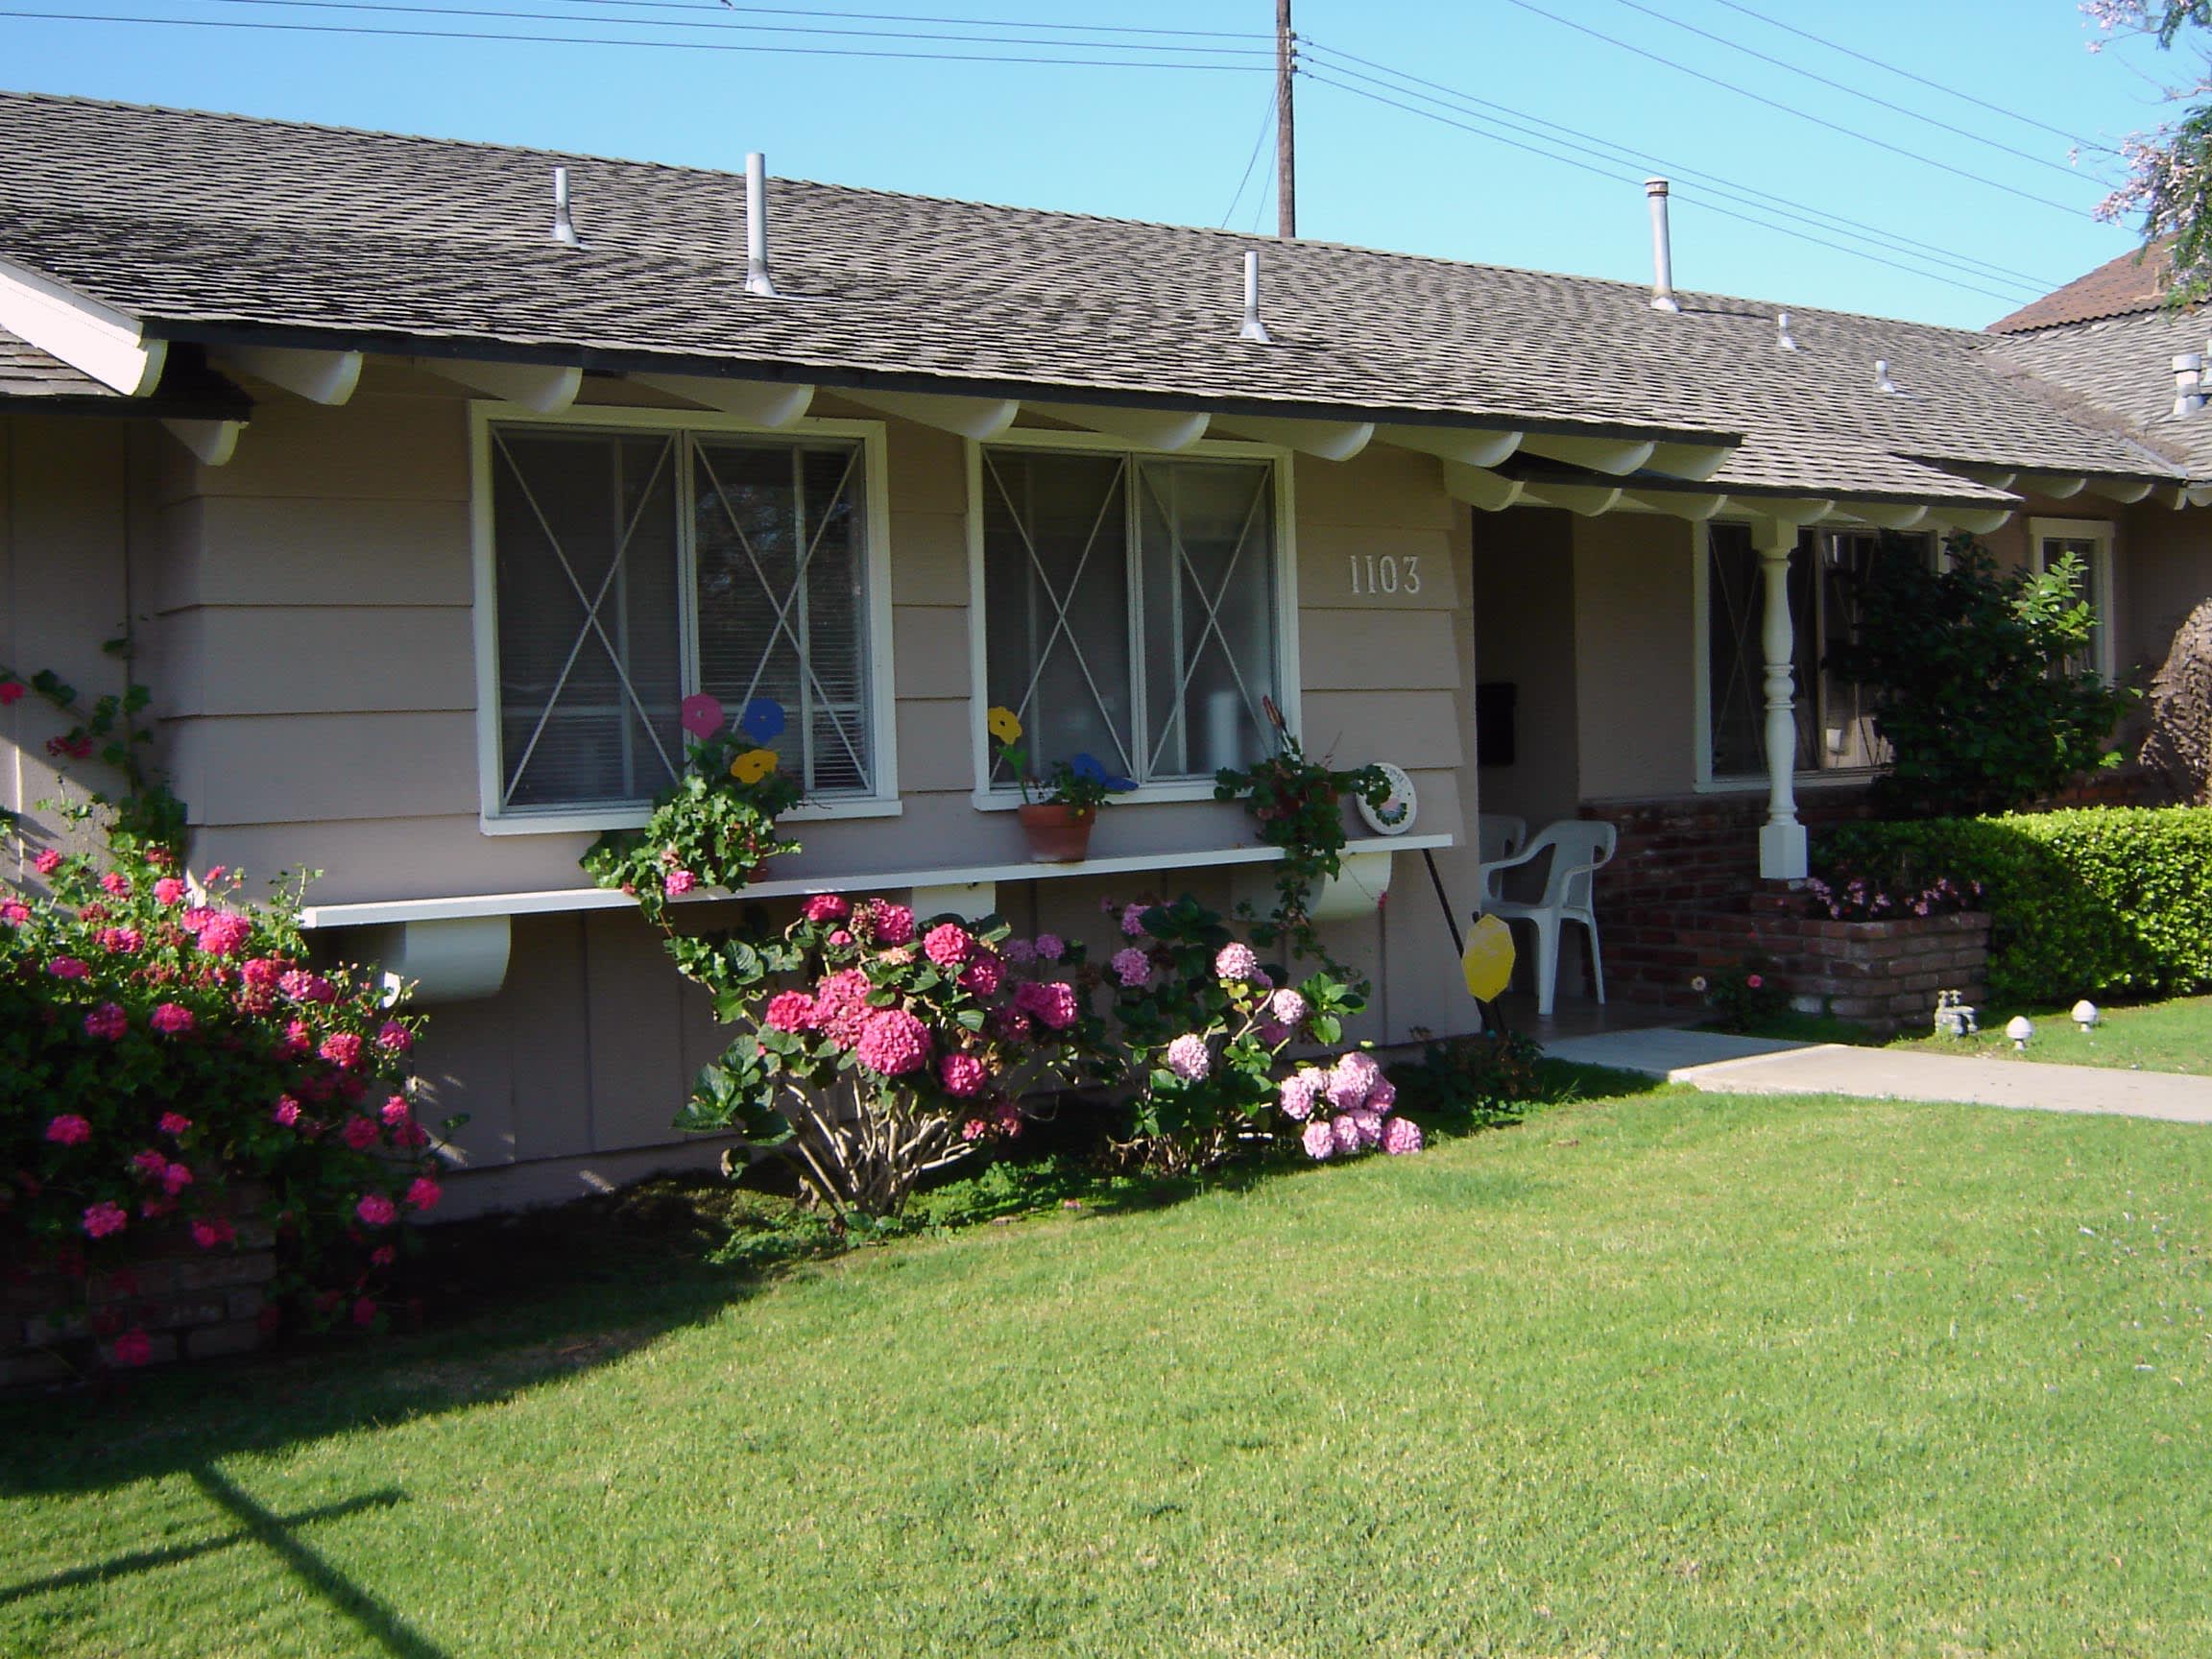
1705 781
1285 553
2102 599
484 415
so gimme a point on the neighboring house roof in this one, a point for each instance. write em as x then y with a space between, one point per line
28 373
2124 365
218 227
33 378
2119 287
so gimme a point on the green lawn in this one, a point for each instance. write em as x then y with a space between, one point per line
1669 1373
2172 1036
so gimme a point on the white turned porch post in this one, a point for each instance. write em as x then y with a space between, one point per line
1782 838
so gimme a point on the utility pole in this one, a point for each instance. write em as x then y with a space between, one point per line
1286 128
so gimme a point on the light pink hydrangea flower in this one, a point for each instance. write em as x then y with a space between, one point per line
1345 1133
1288 1007
1236 963
1300 1090
1351 1080
1400 1135
1133 921
678 882
1382 1096
1188 1057
1368 1123
1318 1142
1132 967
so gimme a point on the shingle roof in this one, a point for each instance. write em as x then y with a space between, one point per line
2117 288
2124 365
215 225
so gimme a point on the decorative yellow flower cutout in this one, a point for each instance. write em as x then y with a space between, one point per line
753 765
1003 724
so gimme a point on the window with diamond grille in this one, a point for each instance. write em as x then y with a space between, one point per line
1130 609
1828 575
630 568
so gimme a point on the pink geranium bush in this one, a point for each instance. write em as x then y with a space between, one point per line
1212 1036
880 1047
173 1067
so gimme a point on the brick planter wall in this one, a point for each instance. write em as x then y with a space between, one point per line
193 1304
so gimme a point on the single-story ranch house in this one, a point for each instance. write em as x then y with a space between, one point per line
428 477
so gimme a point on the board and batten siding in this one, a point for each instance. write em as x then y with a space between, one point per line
310 608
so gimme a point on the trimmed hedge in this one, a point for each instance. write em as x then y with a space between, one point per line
2100 900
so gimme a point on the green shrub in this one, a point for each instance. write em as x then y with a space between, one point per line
2100 900
1476 1082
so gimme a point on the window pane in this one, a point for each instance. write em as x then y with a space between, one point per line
1736 654
1847 565
782 596
1206 531
2084 549
1056 604
591 660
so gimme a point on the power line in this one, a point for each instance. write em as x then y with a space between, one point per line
1605 149
1266 126
1709 205
364 29
963 22
1801 114
719 19
1933 85
1853 92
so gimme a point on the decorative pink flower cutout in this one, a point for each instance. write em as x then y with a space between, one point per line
701 716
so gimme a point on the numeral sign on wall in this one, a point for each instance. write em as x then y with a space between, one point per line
1385 573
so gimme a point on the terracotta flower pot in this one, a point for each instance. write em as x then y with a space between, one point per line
1057 834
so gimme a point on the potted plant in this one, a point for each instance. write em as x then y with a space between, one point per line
1057 812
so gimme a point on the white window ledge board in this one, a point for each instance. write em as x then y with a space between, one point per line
382 912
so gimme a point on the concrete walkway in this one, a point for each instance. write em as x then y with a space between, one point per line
1724 1065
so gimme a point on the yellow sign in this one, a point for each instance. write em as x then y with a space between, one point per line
1488 960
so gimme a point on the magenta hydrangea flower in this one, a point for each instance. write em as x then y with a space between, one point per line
1286 1007
170 890
826 907
1008 1118
948 945
1345 1133
890 924
1300 1090
962 1074
841 1005
1188 1057
208 1233
117 883
983 976
975 1129
395 1037
120 941
1050 948
424 1194
69 1130
47 862
678 882
1400 1135
133 1348
395 1112
15 912
286 1111
151 1162
342 1049
1318 1142
893 1043
1133 921
790 1011
303 986
68 968
1019 952
359 1133
175 1179
1051 1001
377 1211
108 1022
171 1019
1236 963
1132 967
174 1123
105 1217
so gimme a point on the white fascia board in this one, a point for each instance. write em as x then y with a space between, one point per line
91 338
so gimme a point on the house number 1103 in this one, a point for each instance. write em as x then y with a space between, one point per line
1387 573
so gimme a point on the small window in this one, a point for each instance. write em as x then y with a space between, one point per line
1132 609
1828 576
2090 540
632 567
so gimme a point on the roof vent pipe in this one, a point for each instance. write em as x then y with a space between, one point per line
1783 340
1882 380
2188 384
1254 328
564 226
757 279
1662 252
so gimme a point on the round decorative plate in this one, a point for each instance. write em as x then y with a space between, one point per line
1395 816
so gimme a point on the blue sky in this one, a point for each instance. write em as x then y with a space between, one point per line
1172 144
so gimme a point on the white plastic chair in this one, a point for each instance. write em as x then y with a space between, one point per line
1578 848
1498 835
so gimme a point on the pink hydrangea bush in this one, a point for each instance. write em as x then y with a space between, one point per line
1345 1108
880 1047
1212 1036
172 1069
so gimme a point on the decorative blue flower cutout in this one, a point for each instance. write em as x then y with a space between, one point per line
762 719
1087 767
